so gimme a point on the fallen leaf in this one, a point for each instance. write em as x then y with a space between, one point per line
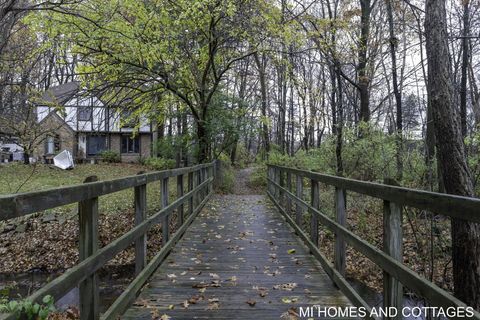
213 306
155 313
142 303
194 299
285 286
286 300
251 302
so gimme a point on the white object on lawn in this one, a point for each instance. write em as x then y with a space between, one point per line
63 160
18 156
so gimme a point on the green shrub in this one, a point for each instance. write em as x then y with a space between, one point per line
227 181
258 177
371 158
110 156
26 309
243 157
166 147
158 163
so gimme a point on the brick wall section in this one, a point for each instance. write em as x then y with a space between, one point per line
115 143
55 125
68 141
145 145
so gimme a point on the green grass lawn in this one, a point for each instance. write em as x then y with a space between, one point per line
34 243
24 178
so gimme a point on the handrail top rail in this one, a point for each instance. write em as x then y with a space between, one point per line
21 204
401 272
461 207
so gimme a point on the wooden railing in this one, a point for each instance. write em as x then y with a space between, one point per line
200 186
395 273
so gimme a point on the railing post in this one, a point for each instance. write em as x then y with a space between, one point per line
281 182
299 194
276 179
214 174
199 192
140 216
393 246
315 202
165 220
180 215
190 188
88 245
269 177
205 177
288 205
217 173
341 215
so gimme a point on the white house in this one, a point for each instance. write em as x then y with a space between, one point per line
86 125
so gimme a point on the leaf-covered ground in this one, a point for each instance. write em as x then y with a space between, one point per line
426 241
48 240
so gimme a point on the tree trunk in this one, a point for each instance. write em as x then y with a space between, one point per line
339 130
233 153
178 139
282 106
202 155
363 78
263 90
451 153
465 61
26 157
397 93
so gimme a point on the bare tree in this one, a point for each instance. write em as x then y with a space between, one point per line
451 153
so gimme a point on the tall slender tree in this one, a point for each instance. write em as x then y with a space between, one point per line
451 153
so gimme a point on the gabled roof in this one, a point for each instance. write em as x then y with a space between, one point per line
57 118
61 94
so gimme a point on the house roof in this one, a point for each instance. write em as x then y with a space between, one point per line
62 93
57 118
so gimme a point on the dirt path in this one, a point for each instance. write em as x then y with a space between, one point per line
242 185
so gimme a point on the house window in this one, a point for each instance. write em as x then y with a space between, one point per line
96 144
52 144
130 144
84 113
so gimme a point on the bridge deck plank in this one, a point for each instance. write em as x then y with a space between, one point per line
235 247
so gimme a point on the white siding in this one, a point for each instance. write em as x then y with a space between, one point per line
100 113
42 112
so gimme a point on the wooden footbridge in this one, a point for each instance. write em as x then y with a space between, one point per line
240 258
